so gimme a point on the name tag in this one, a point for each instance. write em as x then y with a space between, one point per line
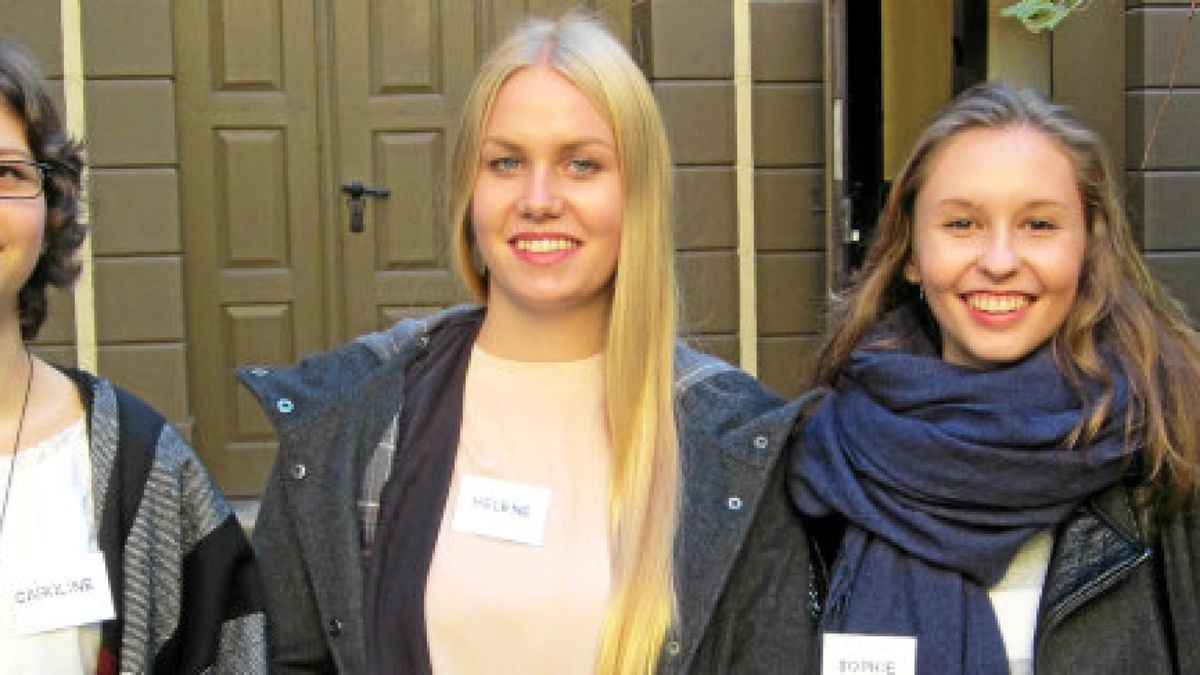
846 653
55 593
501 509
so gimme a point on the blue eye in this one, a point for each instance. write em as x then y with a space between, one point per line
584 166
1040 224
960 224
504 164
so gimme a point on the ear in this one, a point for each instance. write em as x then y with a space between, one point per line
910 271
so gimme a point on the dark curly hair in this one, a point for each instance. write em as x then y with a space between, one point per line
23 92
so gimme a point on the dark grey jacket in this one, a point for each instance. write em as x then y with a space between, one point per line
742 557
1122 592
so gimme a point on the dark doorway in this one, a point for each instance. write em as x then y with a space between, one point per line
970 43
861 53
864 124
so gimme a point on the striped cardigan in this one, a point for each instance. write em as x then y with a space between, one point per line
185 588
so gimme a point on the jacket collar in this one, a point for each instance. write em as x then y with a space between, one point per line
1101 543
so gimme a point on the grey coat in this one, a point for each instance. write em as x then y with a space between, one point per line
742 557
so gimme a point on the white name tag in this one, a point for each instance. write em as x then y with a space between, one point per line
55 593
500 509
849 653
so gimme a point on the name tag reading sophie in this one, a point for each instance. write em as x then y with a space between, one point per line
502 510
845 653
54 593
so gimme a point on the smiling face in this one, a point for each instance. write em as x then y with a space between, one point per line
548 203
22 221
999 238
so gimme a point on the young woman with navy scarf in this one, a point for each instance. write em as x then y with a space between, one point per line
1006 456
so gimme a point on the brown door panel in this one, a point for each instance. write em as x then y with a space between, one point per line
250 198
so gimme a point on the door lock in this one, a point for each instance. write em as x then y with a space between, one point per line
355 190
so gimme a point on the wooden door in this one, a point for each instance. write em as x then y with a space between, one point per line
280 104
251 201
401 70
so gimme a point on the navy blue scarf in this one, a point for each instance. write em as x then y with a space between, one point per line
942 472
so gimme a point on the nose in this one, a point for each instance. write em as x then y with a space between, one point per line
541 199
999 256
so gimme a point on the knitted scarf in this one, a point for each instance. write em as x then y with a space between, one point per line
942 472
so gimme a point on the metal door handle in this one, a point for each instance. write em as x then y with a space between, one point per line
355 190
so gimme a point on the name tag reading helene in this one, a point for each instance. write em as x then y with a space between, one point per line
846 653
501 509
49 594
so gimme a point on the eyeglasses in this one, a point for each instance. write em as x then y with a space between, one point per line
22 178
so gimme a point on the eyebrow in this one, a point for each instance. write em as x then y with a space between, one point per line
1045 202
9 153
1036 203
569 147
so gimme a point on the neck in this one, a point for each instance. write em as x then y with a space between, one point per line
14 368
518 335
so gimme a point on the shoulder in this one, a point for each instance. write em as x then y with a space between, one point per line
323 379
724 411
108 405
127 430
714 393
135 451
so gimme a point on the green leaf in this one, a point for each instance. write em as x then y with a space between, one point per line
1040 15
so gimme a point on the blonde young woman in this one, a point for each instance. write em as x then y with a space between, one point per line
547 482
1010 433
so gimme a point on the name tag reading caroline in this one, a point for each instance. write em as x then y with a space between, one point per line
501 509
55 593
846 653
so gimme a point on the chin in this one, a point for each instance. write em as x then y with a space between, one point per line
999 358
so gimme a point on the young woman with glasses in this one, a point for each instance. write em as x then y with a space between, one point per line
117 554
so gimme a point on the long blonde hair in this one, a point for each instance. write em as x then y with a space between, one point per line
1119 307
642 322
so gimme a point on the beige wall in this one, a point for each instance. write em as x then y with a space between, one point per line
1165 194
690 59
130 98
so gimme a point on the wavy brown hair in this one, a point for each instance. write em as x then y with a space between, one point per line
22 90
1119 310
